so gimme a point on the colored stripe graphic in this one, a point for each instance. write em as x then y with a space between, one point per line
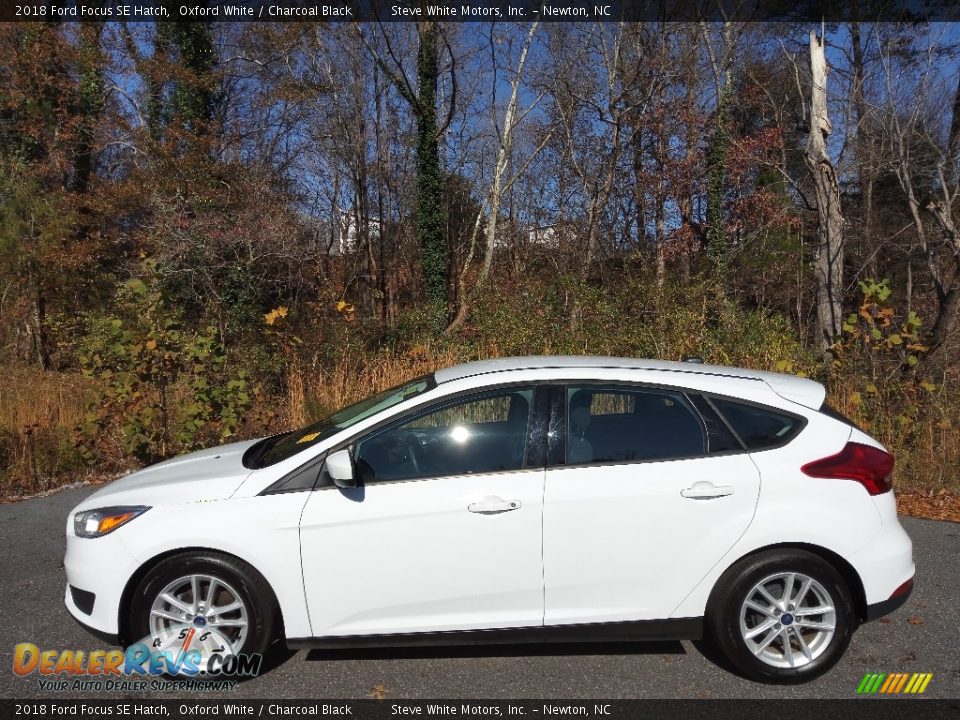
894 683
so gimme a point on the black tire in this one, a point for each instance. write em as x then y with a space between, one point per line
263 616
727 598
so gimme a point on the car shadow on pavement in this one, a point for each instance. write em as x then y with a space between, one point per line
482 651
712 653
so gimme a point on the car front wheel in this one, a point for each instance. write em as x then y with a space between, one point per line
782 616
205 601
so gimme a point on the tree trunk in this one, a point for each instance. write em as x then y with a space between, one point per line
502 181
717 245
434 257
828 269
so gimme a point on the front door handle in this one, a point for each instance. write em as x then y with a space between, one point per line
491 505
706 490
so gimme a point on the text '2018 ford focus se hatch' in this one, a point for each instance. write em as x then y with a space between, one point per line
515 500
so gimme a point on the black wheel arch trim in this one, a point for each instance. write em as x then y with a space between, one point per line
837 562
123 610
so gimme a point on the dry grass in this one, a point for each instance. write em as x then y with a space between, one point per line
315 393
38 411
927 449
42 399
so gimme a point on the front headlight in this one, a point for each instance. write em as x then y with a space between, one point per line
97 523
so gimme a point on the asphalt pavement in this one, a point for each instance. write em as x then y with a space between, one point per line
923 636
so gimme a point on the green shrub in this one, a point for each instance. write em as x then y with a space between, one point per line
164 388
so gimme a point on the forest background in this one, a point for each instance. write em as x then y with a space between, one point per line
215 231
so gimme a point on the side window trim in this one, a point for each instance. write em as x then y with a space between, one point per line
318 462
538 431
710 416
723 419
557 427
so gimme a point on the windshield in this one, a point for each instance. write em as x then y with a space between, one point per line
280 447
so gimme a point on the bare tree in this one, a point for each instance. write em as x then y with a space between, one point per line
828 268
926 169
501 183
594 115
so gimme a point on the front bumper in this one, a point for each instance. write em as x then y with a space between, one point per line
102 567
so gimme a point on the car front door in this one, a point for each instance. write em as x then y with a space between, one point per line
444 530
642 503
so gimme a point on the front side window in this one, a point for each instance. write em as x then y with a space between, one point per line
479 434
615 424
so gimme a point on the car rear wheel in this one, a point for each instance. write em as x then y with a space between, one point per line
783 616
205 601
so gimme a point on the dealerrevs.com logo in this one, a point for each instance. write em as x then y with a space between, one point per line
132 669
894 683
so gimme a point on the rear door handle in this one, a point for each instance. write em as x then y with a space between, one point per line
705 490
491 505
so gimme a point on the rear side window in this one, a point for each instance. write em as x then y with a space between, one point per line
758 427
616 424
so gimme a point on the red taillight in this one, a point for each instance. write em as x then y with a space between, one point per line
903 589
869 466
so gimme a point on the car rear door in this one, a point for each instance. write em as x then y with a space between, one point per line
444 532
645 495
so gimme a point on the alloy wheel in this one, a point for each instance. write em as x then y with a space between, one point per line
207 605
787 620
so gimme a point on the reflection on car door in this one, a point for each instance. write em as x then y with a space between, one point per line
642 508
444 532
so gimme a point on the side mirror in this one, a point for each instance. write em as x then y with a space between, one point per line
339 467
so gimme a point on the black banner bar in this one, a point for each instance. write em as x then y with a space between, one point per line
478 10
862 709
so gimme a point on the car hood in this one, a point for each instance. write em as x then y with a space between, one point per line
211 474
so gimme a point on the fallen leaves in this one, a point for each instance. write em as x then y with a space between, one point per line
940 505
379 692
915 620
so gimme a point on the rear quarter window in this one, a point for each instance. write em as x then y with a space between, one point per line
759 428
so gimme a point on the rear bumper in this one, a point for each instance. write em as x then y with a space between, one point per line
884 563
895 602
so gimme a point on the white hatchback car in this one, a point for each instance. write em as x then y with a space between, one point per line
516 500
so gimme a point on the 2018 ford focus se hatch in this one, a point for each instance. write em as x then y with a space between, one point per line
515 500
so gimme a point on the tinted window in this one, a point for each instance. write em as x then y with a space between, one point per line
613 424
758 427
719 437
483 433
